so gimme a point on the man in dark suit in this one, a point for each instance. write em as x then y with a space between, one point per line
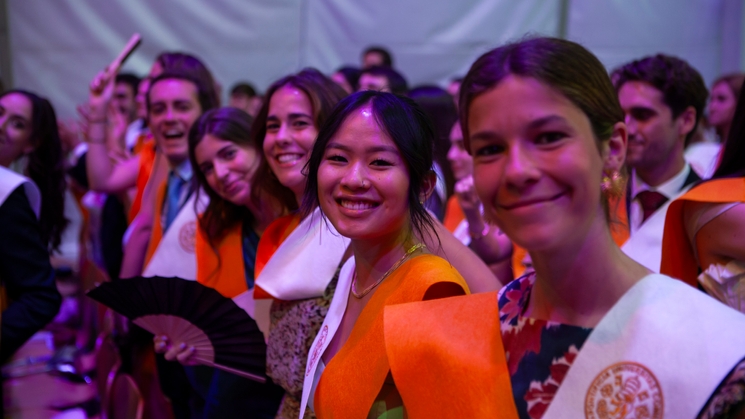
663 98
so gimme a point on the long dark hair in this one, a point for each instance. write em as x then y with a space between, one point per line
229 124
409 128
323 94
733 150
46 167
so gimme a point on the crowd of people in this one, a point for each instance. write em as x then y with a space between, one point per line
540 239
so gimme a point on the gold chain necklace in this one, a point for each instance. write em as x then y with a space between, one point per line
395 266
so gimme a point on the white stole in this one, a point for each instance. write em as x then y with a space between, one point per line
462 234
645 244
305 262
175 254
10 181
327 331
663 349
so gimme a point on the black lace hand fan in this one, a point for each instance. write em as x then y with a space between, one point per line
224 336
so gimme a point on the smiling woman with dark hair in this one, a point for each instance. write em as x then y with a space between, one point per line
370 172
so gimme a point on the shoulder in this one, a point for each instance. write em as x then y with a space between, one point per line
433 269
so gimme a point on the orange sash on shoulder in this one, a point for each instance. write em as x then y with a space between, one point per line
453 214
157 232
224 271
447 358
352 380
678 259
270 241
147 159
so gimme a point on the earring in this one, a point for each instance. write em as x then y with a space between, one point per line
612 185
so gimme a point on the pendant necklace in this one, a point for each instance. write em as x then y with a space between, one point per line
395 266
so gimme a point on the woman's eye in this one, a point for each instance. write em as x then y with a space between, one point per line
272 127
489 150
300 124
550 137
229 154
381 163
335 157
206 169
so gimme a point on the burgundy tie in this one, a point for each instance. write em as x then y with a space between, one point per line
651 201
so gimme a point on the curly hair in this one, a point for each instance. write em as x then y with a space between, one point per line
46 167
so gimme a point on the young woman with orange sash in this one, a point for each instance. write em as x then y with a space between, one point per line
224 160
297 258
370 173
705 228
586 335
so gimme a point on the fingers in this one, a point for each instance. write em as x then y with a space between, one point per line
181 353
161 344
186 356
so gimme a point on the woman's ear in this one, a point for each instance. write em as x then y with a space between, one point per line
614 150
428 186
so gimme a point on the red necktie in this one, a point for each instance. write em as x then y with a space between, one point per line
650 201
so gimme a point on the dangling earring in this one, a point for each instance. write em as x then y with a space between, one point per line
612 185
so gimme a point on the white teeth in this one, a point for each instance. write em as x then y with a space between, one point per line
356 205
285 158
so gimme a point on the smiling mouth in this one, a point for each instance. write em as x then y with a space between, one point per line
356 205
535 201
289 158
173 134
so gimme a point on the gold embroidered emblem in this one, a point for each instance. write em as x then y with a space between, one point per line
626 390
187 236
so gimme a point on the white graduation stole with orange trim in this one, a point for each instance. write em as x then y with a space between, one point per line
175 254
660 352
306 261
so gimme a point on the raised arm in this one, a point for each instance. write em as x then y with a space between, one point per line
103 174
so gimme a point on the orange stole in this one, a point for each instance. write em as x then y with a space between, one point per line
453 214
225 270
447 358
352 380
678 259
270 241
157 233
146 146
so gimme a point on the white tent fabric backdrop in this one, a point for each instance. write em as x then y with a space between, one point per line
58 46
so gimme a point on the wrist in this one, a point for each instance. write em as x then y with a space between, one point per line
479 234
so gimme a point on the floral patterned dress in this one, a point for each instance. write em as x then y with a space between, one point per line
539 354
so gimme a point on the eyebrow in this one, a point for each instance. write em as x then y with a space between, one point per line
291 116
540 122
534 124
14 115
374 149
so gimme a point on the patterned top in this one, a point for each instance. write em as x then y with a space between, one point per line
539 354
294 325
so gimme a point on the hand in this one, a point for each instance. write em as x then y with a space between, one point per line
182 352
101 92
466 193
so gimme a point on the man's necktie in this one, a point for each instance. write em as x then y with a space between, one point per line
650 201
173 195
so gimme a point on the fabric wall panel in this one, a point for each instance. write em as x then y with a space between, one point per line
58 46
432 41
619 31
